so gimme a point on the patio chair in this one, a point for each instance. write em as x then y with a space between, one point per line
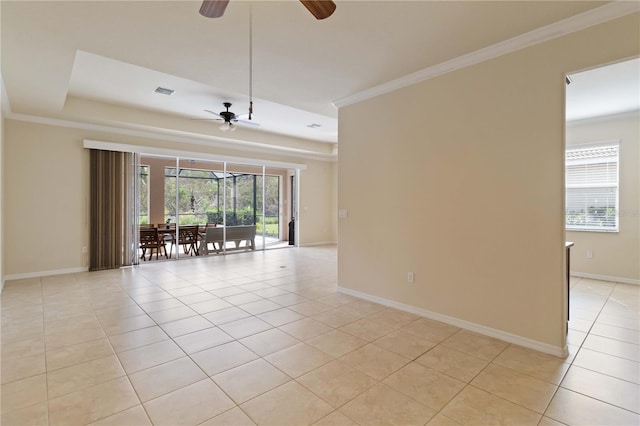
188 239
168 234
150 241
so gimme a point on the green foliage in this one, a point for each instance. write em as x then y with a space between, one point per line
143 195
191 219
201 199
594 217
271 220
272 229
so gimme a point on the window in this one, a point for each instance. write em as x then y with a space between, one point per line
143 207
592 187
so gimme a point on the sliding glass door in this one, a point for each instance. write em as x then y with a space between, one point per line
270 225
185 199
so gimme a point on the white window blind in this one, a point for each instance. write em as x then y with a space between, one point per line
592 187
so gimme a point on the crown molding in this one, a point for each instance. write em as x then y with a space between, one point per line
167 152
179 137
604 118
599 15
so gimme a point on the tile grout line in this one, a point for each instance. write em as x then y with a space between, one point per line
331 328
236 405
571 364
44 343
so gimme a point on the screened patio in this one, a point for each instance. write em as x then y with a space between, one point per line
179 193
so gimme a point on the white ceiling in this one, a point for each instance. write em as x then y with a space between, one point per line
606 90
74 60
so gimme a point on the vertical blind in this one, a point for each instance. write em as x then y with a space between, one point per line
592 187
112 198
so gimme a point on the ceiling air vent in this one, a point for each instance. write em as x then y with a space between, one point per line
314 125
163 91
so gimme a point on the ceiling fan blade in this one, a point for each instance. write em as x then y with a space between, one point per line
214 113
321 9
246 123
213 8
245 116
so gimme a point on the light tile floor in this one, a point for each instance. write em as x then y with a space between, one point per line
264 338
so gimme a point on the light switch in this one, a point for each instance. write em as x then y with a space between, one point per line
342 213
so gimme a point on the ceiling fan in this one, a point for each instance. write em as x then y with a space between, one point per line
321 9
229 119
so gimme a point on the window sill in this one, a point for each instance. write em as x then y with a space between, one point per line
603 231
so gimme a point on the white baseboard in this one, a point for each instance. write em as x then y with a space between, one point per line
476 328
605 278
45 273
322 243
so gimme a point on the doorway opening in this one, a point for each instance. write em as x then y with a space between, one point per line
602 114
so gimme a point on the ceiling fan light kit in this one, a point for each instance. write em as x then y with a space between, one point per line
230 119
227 127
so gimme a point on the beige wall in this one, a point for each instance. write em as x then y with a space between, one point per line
1 201
462 184
156 186
315 197
615 255
1 188
46 198
47 189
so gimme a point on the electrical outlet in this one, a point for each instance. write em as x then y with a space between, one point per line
410 277
84 249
